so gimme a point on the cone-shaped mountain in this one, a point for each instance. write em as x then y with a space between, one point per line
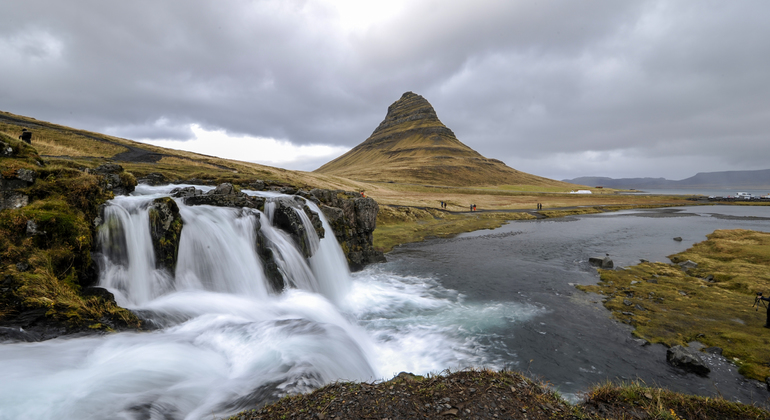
412 145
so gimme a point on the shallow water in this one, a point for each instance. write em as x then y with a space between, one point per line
571 341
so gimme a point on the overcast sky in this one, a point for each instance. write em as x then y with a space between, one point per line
556 88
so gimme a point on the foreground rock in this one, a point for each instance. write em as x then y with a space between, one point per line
684 359
165 231
493 395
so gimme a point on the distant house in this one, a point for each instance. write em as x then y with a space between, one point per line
581 192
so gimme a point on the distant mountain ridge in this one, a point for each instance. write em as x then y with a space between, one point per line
411 145
755 179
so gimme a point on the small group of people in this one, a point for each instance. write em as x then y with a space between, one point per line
539 206
443 204
473 207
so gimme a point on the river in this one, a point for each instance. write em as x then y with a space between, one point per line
500 299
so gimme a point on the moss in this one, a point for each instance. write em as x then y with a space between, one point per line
673 306
54 236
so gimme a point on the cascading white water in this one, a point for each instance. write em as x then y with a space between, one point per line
228 342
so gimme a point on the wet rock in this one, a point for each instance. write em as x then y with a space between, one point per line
353 219
15 334
287 218
153 178
165 231
601 262
224 195
269 266
713 350
185 192
682 358
607 263
678 239
113 178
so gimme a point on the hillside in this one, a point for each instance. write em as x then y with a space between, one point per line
81 148
758 179
411 145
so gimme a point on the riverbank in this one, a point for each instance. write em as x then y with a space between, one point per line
484 394
704 296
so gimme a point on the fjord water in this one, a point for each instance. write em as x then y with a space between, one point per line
227 341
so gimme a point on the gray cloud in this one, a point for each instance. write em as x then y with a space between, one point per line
559 89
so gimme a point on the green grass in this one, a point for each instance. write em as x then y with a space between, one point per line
679 307
400 225
63 203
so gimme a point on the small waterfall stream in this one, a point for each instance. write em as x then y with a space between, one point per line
228 340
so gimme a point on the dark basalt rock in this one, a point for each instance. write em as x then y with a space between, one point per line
165 231
285 217
601 262
10 197
153 178
269 266
224 195
113 178
353 219
682 358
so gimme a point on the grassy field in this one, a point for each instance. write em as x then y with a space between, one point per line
711 304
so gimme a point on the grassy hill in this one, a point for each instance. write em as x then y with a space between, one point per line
412 146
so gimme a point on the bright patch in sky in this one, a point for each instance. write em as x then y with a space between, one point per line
263 150
356 15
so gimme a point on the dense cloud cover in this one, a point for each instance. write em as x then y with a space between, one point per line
555 88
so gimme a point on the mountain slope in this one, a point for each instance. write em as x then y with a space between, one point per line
411 145
757 179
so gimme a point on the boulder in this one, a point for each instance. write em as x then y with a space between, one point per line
10 197
678 239
185 192
602 262
224 195
607 263
353 219
165 231
684 359
286 218
686 265
153 178
113 178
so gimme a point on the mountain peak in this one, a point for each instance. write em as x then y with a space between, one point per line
411 107
412 145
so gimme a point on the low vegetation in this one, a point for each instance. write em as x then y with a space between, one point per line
46 246
485 394
711 303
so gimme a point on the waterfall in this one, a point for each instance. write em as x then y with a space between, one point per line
228 340
216 252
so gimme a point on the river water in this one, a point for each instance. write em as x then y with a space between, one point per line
500 299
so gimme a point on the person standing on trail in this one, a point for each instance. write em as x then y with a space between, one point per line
760 297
